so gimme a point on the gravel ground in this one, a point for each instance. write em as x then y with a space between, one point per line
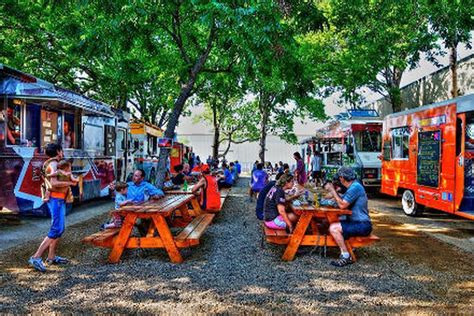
230 272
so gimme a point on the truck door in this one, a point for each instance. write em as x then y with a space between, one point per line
465 166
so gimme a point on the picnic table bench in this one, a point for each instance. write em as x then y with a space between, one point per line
302 237
159 234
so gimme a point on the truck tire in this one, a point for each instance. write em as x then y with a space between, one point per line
409 205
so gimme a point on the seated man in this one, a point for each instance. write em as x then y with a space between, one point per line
233 170
258 181
210 197
357 224
139 189
226 180
274 207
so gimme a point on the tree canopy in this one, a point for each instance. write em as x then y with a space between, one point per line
256 65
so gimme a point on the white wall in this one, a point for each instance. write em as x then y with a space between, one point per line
245 153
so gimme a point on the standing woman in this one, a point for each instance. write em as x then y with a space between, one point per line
69 139
300 172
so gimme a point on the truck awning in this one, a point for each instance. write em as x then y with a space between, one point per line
14 83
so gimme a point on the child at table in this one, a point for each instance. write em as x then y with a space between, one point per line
121 189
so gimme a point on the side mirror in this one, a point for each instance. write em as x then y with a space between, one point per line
387 148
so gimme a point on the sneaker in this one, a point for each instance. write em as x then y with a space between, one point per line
341 262
37 263
57 260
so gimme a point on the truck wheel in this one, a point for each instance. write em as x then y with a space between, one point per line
410 207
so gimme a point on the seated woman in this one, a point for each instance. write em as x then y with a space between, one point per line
259 180
274 208
210 197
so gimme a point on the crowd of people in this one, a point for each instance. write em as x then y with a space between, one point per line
208 179
344 191
273 187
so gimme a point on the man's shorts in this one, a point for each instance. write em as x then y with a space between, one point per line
57 207
353 229
277 223
316 174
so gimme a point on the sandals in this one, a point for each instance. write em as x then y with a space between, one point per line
342 262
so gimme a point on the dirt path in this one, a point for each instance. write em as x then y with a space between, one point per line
408 271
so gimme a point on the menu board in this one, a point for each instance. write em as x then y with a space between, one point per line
49 127
429 153
110 137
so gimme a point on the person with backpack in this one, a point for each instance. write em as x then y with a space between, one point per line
57 207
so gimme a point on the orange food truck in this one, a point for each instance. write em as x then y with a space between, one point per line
428 157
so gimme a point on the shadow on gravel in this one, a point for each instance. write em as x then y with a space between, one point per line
231 273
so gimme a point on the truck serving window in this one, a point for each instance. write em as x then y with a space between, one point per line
400 141
93 137
368 141
14 116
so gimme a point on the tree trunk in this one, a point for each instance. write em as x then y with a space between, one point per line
393 79
217 134
185 93
453 67
226 151
264 108
170 128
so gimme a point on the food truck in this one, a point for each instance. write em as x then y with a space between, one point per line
34 113
144 148
352 139
428 157
179 154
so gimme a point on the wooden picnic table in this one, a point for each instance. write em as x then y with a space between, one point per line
159 234
302 236
308 215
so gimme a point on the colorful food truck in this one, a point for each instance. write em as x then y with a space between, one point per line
144 148
428 157
353 139
34 113
179 154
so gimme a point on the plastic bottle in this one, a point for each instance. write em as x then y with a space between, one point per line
316 199
185 186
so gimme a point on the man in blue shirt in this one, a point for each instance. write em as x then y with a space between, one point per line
225 180
234 171
238 166
357 224
140 190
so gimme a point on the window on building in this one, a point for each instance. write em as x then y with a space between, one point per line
400 142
